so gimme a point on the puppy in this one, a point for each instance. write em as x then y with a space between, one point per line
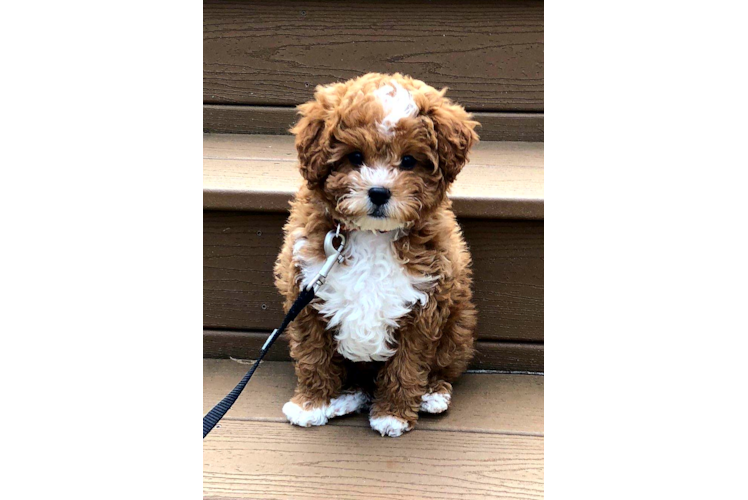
393 325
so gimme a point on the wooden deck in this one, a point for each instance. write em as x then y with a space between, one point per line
488 445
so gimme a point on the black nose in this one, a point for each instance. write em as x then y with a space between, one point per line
379 195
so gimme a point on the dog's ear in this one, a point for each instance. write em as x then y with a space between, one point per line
455 135
313 134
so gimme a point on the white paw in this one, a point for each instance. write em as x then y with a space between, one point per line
436 402
305 418
342 405
389 425
346 403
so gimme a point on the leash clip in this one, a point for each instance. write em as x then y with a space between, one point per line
333 257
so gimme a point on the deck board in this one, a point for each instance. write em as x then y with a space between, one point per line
255 172
281 147
277 461
488 445
488 403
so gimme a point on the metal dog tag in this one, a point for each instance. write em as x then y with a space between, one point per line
333 257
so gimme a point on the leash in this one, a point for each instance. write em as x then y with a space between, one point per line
306 295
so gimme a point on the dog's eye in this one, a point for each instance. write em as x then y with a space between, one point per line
356 158
408 163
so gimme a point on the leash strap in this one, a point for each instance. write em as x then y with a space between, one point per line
213 416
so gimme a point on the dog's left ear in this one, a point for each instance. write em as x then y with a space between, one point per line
455 135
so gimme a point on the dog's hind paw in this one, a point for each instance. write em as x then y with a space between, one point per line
346 403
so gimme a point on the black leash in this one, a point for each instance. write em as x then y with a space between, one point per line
305 297
211 419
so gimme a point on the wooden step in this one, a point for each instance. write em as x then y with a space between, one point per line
489 444
259 173
240 249
270 53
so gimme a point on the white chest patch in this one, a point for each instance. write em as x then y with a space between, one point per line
364 297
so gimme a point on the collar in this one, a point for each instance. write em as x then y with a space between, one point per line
348 229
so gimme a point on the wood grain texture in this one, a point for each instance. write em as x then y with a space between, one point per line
264 52
240 249
248 459
490 355
508 356
259 173
227 119
491 403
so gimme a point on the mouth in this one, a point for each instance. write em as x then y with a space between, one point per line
377 213
377 221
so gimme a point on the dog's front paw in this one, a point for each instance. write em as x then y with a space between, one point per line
304 418
388 425
435 402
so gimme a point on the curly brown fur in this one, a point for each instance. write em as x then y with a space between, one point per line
432 343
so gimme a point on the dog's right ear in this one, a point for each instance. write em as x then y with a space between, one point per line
313 135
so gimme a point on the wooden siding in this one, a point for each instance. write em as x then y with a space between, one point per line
270 53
